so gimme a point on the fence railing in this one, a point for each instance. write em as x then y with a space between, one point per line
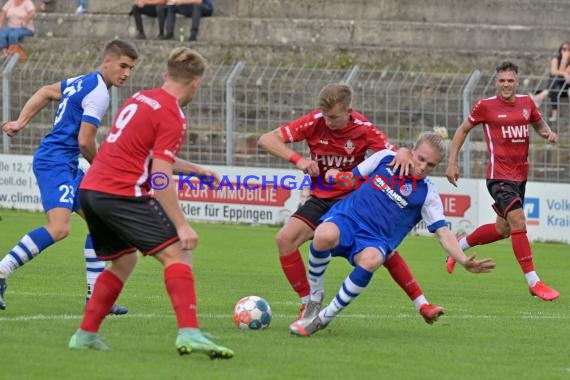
237 103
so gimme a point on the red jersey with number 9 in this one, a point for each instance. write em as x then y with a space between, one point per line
148 125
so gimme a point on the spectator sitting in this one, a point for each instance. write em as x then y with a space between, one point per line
150 8
17 16
559 80
195 9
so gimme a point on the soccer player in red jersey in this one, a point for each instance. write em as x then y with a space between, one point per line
505 119
123 217
338 138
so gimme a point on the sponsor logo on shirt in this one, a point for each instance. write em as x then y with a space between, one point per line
515 133
336 162
380 184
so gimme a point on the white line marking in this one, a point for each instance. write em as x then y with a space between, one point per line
44 317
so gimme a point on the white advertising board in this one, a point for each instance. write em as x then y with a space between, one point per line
270 196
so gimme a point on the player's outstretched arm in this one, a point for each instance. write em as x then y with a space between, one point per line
274 143
451 246
452 171
39 100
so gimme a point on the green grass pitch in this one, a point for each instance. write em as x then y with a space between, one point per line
493 328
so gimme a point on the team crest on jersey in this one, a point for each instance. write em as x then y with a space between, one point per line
406 189
349 147
526 114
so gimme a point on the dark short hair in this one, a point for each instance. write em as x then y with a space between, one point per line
120 47
507 66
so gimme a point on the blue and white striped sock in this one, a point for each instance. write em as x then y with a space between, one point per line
352 286
318 264
27 248
93 266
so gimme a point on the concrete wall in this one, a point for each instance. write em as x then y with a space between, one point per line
504 12
456 35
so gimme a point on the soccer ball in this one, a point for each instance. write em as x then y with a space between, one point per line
252 313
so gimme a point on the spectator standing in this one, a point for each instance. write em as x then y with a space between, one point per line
16 20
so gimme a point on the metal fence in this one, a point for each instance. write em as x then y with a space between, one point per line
237 103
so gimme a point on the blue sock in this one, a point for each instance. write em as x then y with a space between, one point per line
318 264
351 288
27 248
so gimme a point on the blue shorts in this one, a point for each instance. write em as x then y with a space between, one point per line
354 239
59 184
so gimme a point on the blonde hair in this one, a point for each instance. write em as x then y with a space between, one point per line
436 139
185 65
333 94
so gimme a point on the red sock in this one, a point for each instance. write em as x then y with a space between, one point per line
179 282
485 234
294 269
401 273
521 247
106 291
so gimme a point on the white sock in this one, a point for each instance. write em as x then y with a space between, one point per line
7 266
93 266
418 302
354 284
318 263
463 244
31 245
531 278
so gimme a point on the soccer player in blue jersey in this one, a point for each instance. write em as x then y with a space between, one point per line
83 101
370 223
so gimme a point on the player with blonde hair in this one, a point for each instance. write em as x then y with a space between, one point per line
124 217
368 225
